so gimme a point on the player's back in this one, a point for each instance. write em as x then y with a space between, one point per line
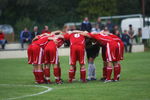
42 40
103 39
77 39
116 38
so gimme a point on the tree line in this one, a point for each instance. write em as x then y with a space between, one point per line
27 13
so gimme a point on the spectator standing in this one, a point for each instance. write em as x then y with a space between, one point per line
46 30
101 26
86 25
2 39
25 37
96 28
35 32
126 40
117 32
115 28
110 26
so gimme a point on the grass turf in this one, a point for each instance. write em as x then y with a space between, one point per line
134 83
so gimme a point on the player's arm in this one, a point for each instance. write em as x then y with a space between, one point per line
34 39
59 36
53 39
55 32
84 33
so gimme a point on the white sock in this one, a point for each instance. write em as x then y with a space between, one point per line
89 71
93 71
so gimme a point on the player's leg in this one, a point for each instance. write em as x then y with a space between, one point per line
88 54
121 57
119 70
37 60
40 74
109 58
59 69
81 55
46 70
93 72
35 73
108 72
91 69
116 71
104 70
82 73
71 73
54 59
96 50
47 64
57 74
72 62
30 51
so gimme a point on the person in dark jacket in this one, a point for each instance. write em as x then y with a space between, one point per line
126 38
35 32
86 25
25 37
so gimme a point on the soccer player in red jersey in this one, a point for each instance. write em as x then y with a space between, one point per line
35 56
77 53
109 47
120 53
51 58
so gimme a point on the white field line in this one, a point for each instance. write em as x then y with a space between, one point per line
30 95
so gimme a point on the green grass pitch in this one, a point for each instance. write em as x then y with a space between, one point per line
134 83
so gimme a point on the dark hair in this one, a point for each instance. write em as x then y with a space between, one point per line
130 25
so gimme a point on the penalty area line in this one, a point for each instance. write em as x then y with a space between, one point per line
30 95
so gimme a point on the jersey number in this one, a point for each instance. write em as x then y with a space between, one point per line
76 35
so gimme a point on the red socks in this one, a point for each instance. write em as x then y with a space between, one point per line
74 73
104 72
116 72
83 74
108 74
57 74
36 76
119 70
40 76
71 75
47 74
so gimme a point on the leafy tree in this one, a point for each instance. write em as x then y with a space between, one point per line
126 7
95 8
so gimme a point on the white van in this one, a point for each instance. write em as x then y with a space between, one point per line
136 24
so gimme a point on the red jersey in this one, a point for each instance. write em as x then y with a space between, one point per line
75 39
42 40
116 38
59 42
1 36
102 38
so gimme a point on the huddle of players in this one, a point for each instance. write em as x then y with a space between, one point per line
44 50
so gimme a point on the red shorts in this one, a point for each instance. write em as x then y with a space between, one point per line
121 50
77 52
51 54
35 54
109 52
